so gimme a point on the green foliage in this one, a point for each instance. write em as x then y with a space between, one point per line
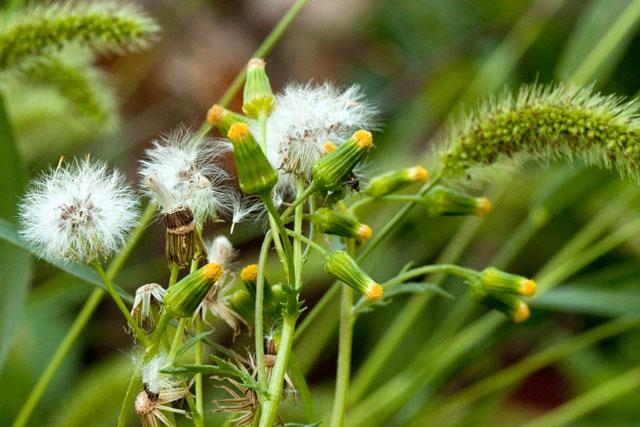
99 26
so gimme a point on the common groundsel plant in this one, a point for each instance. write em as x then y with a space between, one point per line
298 174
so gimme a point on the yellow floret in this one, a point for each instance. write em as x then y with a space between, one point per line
237 131
374 293
215 114
329 146
364 138
255 63
249 273
364 233
522 314
212 272
529 288
484 207
419 174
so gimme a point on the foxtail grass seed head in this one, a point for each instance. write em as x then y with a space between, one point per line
145 296
332 222
183 298
341 266
222 118
393 181
441 200
183 169
508 304
220 251
494 280
305 119
545 123
183 242
255 173
258 97
330 171
78 212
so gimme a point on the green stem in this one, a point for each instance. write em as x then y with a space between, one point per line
272 401
259 333
58 357
132 392
345 343
589 401
198 420
282 231
123 308
314 245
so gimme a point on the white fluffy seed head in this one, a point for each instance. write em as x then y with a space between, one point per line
244 208
155 380
186 167
78 212
305 118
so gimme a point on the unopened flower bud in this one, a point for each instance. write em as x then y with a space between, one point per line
494 280
258 97
330 171
255 173
510 305
396 180
242 303
341 266
183 241
445 201
222 118
249 276
333 222
183 298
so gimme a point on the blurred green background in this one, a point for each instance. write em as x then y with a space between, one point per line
422 62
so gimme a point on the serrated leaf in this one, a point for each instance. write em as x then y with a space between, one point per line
222 367
15 274
8 233
191 342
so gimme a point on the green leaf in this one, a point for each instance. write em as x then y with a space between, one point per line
191 342
589 300
404 288
15 274
599 40
9 234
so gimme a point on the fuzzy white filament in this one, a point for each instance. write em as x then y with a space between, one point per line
78 212
305 118
187 168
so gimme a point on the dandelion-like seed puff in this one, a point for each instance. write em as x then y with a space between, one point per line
305 119
187 166
77 212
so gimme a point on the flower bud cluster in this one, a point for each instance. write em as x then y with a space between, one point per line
499 290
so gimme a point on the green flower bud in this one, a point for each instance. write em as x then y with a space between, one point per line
258 97
341 266
330 171
494 280
396 180
255 173
222 118
243 304
183 298
445 201
332 222
271 302
510 305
